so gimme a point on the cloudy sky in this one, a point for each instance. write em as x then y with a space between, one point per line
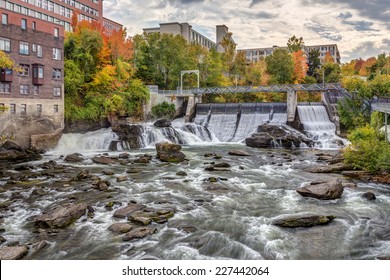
361 28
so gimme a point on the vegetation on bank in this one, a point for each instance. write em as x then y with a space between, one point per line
164 110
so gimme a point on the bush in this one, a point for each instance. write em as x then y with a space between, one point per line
164 110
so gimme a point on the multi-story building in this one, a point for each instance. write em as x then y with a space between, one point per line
255 54
61 11
185 30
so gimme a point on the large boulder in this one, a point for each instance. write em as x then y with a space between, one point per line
62 216
13 252
138 233
132 134
11 152
128 210
103 160
162 123
169 152
75 157
306 221
274 135
324 191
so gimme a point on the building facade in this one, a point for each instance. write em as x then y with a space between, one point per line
189 34
255 54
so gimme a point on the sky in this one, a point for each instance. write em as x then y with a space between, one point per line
360 28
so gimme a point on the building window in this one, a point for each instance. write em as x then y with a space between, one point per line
56 54
56 32
56 109
57 91
35 90
39 109
4 19
24 89
24 23
57 73
5 44
39 50
23 109
12 108
38 72
24 70
34 48
5 88
23 48
34 25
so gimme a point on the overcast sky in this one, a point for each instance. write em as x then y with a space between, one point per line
360 28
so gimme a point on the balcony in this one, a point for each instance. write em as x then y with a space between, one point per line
37 77
6 75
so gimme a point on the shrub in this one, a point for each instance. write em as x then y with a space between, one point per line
164 110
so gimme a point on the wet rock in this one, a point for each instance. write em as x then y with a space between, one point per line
181 173
124 156
147 217
111 204
268 134
39 246
162 123
121 227
332 168
168 152
188 229
9 145
349 185
132 134
125 212
143 159
62 216
239 153
138 233
134 171
108 172
38 192
103 160
13 252
5 204
307 221
101 185
222 165
121 179
82 175
324 191
2 239
23 168
355 174
76 157
11 152
210 155
369 196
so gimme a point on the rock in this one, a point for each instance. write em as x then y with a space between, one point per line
62 216
307 221
349 185
23 168
324 191
82 175
101 185
76 157
168 152
332 168
39 246
145 218
108 172
111 204
181 173
132 134
134 171
162 123
356 174
269 134
238 153
121 179
210 155
124 156
2 239
38 192
187 229
143 159
121 227
138 233
128 210
9 145
222 165
369 196
16 155
215 187
13 252
103 160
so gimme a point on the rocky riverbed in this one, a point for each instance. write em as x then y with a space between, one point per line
217 201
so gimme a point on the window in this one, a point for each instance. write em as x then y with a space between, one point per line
23 109
24 89
56 54
12 108
55 109
5 44
24 70
4 19
34 48
57 91
39 50
57 73
56 32
39 109
35 90
23 48
5 88
24 23
38 72
34 25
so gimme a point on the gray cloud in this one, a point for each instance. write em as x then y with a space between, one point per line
324 31
346 15
386 42
255 2
366 49
361 25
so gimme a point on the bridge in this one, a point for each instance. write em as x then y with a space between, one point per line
383 108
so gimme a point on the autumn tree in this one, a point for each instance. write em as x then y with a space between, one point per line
229 51
295 44
5 61
300 66
280 66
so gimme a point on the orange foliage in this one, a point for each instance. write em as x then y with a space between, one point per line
366 65
328 58
300 66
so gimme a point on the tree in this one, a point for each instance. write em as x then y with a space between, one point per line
295 44
314 62
256 73
230 51
280 65
328 58
348 69
5 61
300 66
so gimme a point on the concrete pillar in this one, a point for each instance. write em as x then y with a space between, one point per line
292 101
191 106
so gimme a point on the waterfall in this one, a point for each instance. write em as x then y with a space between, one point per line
81 142
317 125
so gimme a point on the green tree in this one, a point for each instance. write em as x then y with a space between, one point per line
314 62
280 65
295 44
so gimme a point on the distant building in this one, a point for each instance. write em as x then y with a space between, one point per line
185 30
255 54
